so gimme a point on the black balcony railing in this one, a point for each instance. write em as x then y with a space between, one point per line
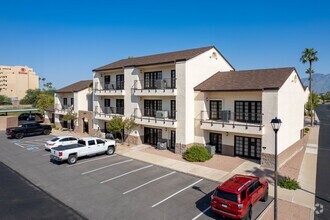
109 110
229 117
167 83
110 85
60 107
153 114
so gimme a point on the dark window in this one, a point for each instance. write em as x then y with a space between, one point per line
72 139
82 142
215 110
152 80
65 139
120 81
54 139
216 140
151 106
243 195
248 147
152 135
91 142
248 111
173 109
173 79
120 106
72 101
226 195
65 101
252 187
98 141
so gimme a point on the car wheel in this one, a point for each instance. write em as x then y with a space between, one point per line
249 214
72 159
19 135
110 151
265 196
46 132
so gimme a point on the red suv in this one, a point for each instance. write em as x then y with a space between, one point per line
235 197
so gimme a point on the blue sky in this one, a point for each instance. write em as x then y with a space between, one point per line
64 40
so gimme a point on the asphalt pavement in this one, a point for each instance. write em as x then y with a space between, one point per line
20 199
322 194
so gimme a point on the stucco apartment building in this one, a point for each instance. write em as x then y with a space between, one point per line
195 96
16 80
75 98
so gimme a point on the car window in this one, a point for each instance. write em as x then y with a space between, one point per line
54 139
72 139
226 195
91 142
82 142
252 187
64 139
99 141
243 195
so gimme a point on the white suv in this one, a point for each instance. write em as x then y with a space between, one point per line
60 141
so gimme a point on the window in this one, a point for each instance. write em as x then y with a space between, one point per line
243 195
91 142
99 141
65 139
248 111
72 101
226 195
72 139
215 110
252 187
151 106
120 81
173 79
248 147
120 106
54 139
82 142
152 80
65 101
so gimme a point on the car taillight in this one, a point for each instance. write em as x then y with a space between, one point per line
52 144
240 206
60 154
10 131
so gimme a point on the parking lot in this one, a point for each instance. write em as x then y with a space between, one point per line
113 187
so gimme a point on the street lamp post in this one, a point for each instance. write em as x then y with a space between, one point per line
276 124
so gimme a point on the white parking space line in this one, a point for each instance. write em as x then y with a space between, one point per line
176 193
100 158
200 214
17 144
151 181
110 165
124 174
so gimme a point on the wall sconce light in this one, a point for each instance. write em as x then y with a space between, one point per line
165 129
227 133
141 126
264 148
207 99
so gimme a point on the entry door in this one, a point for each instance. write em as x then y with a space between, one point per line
152 80
173 140
120 106
106 106
151 106
216 140
173 79
173 109
120 81
107 82
248 147
152 135
215 109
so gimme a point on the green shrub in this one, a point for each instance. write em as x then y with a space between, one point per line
53 126
197 154
306 130
288 183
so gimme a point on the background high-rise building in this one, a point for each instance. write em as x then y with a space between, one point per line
16 80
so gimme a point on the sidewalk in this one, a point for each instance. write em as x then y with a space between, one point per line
298 204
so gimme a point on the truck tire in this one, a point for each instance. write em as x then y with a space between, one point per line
46 132
72 159
19 135
265 196
249 214
110 151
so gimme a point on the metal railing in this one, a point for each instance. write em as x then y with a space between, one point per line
155 115
110 85
229 117
167 83
109 110
60 107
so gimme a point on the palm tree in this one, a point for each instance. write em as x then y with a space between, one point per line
309 55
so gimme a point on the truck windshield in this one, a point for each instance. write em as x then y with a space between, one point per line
82 142
226 195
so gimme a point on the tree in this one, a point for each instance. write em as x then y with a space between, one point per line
309 55
31 97
115 125
5 100
315 102
70 116
323 98
44 101
129 124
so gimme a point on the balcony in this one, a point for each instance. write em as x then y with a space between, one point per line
155 87
109 88
63 109
152 117
237 122
108 113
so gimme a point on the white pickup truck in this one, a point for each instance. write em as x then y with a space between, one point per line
85 147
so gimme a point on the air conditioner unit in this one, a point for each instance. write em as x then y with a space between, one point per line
161 114
225 115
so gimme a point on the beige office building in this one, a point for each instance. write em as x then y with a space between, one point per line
15 80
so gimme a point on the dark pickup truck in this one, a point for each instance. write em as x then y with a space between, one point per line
27 129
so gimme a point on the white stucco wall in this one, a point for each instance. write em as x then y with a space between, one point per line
291 101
